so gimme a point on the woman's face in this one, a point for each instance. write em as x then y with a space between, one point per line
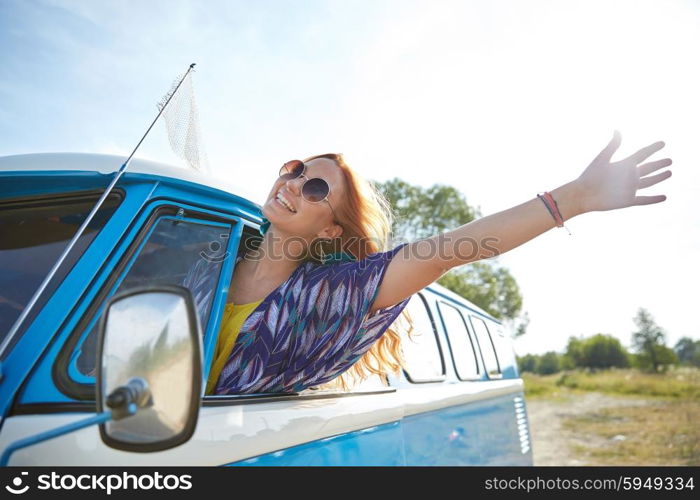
306 219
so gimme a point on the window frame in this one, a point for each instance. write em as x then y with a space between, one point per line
442 377
474 347
499 374
73 372
60 370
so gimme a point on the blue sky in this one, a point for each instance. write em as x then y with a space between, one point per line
502 99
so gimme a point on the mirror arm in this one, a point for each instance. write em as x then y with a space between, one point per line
124 401
44 436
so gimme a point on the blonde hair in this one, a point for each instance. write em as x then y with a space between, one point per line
366 217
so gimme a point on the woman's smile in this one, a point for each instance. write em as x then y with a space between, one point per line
282 200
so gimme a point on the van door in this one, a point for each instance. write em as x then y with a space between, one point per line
176 245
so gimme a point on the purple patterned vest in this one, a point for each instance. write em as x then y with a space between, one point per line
311 329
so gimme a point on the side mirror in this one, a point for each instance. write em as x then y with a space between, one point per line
149 369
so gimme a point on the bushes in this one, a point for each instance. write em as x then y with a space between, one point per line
597 353
544 364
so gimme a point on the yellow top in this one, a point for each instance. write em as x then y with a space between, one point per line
234 316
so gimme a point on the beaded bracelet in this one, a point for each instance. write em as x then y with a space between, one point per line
553 209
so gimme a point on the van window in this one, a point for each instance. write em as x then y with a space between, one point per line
461 346
33 233
487 346
421 349
185 252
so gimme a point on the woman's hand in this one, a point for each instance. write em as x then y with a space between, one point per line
606 185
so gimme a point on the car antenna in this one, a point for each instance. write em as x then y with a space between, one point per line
162 105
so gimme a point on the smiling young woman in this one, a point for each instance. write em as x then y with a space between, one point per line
318 297
328 247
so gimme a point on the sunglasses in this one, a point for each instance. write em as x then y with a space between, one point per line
314 190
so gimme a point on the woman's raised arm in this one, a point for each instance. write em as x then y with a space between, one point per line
604 185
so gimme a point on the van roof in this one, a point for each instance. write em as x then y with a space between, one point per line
107 164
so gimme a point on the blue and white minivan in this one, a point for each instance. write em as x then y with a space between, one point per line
84 348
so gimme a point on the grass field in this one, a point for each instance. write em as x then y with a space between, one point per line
664 431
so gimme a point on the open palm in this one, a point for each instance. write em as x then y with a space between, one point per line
606 185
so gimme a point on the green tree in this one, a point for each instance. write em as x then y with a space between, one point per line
527 363
493 289
657 359
424 212
548 363
574 351
648 340
688 351
566 363
604 351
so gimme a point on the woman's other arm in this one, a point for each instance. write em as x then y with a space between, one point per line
604 185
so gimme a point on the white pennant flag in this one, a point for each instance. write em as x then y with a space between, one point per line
182 124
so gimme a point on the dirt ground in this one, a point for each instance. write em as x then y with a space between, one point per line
552 443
